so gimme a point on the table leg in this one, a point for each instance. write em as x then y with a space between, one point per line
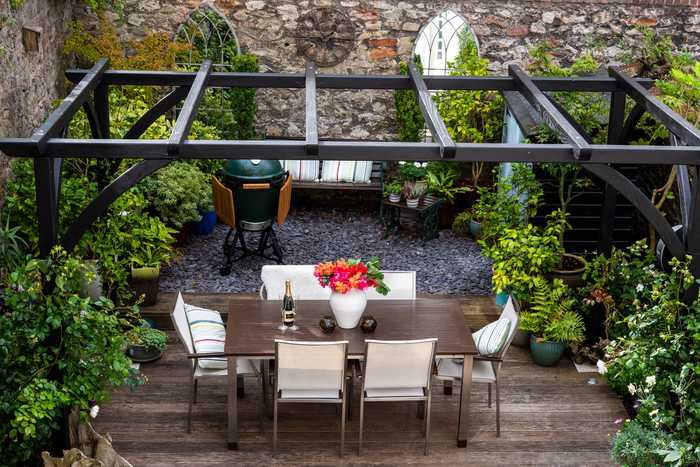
463 424
232 389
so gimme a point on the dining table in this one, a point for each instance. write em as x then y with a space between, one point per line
253 325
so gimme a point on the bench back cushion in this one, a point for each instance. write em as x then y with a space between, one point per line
302 171
346 171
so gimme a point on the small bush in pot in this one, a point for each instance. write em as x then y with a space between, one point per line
460 226
551 321
149 249
413 195
442 181
145 344
392 190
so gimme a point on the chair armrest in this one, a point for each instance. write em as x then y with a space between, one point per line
206 355
488 359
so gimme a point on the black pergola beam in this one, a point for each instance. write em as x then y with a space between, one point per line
552 117
311 111
336 81
430 113
184 121
60 117
676 124
350 150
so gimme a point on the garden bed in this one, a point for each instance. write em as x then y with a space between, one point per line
447 265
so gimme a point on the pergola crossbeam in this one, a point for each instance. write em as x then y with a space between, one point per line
676 124
311 112
184 121
60 117
550 114
430 113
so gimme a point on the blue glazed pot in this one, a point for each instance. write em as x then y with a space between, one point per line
546 353
475 228
502 298
206 225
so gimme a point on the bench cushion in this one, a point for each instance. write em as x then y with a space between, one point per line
346 171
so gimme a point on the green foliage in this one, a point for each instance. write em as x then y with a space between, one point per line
460 226
471 116
412 171
409 118
57 351
522 254
13 249
681 92
509 203
392 188
551 316
147 336
635 445
442 179
178 192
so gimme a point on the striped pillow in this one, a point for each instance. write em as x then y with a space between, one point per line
346 171
302 171
208 334
491 338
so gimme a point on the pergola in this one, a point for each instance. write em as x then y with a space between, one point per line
48 145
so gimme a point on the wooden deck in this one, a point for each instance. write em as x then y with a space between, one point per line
549 416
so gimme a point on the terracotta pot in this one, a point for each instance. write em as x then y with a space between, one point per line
571 277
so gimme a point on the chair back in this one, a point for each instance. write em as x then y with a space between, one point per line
510 312
182 324
223 202
398 364
402 286
304 285
310 365
285 201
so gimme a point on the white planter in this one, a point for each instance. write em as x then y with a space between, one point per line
394 198
91 288
348 307
412 203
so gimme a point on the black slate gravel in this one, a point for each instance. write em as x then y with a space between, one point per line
446 265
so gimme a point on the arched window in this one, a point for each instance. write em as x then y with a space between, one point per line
439 41
208 35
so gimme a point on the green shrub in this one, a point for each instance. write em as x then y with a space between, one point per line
460 226
178 192
636 445
57 351
147 336
409 118
551 316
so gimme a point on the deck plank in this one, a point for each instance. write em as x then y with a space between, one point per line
549 416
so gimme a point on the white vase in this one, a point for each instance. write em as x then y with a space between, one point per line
348 307
412 203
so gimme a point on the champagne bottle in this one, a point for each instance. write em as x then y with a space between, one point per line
288 307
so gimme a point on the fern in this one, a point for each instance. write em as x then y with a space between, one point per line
551 316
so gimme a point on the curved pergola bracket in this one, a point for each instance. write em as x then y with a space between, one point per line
639 200
631 122
131 176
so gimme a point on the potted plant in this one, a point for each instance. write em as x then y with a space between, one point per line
207 222
412 174
392 190
551 322
462 224
348 280
145 344
441 184
149 249
413 195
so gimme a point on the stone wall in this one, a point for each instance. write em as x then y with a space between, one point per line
386 31
30 79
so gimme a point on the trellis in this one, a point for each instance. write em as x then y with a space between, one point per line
48 146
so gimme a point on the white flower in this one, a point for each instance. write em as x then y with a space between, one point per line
417 164
654 412
650 380
124 213
94 411
640 287
631 388
402 162
602 369
424 164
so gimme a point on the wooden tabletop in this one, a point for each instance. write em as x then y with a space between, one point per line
252 325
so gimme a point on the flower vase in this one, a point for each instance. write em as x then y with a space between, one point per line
348 307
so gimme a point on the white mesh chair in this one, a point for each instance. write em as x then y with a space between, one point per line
245 367
398 371
304 285
402 286
310 372
486 368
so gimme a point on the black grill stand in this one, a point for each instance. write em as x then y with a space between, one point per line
268 241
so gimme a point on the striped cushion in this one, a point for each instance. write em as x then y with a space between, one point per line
208 334
346 171
491 338
302 171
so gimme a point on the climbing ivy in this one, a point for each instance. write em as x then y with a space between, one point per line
409 119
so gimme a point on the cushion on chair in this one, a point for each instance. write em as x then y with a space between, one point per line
309 394
491 338
208 334
302 171
346 171
394 392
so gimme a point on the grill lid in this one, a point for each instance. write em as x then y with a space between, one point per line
253 169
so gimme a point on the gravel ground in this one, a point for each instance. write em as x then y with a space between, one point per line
446 265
